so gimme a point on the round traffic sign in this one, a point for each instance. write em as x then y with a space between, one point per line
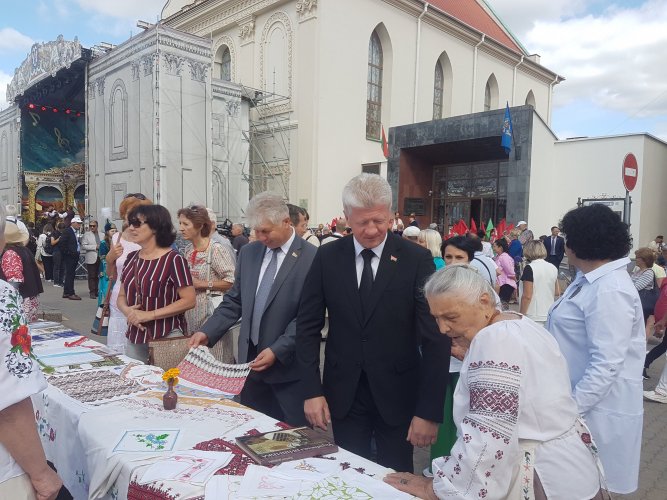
630 171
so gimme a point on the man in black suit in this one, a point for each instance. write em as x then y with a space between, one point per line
270 273
376 383
70 248
555 246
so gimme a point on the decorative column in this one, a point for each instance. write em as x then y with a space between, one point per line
32 191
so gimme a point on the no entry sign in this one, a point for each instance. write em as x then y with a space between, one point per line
630 171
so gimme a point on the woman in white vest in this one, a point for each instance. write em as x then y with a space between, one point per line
538 286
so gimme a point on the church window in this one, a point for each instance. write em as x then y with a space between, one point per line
374 88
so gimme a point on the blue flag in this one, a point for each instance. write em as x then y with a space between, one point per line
506 140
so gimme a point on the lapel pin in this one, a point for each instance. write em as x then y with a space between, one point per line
393 259
294 254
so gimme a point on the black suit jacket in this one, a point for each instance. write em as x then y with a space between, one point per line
560 246
67 243
385 345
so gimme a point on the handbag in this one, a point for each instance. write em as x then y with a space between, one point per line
212 301
101 322
168 352
649 297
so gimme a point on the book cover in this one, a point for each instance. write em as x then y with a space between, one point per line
280 446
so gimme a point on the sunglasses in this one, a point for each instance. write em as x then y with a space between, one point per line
138 196
136 223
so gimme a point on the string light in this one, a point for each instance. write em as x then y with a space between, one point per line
68 111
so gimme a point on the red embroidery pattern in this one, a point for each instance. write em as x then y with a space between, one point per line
151 491
239 463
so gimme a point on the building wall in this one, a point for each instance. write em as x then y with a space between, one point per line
10 182
653 178
329 68
591 168
149 128
545 203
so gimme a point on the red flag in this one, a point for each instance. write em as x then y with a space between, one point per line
385 144
500 228
473 226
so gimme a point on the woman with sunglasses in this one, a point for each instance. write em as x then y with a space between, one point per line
156 282
212 266
121 247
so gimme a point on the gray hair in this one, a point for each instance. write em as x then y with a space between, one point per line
366 191
10 211
212 216
433 241
266 207
459 279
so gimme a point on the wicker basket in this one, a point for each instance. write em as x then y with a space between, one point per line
169 352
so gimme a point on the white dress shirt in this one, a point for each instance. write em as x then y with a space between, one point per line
359 260
280 257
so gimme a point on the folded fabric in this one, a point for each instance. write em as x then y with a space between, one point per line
200 368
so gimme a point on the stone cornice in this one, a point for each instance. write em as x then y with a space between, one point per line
190 44
220 87
207 17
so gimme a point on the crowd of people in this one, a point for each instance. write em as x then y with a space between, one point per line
423 347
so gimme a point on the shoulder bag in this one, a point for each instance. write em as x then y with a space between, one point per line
649 297
101 322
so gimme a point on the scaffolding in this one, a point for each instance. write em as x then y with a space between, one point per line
270 123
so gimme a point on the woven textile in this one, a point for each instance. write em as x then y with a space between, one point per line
201 368
95 387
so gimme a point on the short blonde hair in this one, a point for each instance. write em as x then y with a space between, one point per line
533 250
645 254
433 241
515 233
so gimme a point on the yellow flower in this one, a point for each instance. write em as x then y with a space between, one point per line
171 375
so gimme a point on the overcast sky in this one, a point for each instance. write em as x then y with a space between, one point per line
611 52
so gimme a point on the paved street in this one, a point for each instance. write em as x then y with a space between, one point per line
78 315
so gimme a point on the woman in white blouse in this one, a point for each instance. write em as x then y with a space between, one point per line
519 431
599 326
539 283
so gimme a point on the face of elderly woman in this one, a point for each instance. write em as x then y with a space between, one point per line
457 317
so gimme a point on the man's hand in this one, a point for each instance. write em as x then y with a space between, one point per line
317 412
47 484
422 432
263 361
197 339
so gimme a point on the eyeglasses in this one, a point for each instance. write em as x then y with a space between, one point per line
136 223
138 196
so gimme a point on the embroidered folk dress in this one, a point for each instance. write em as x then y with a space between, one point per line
20 376
223 264
514 394
12 268
599 326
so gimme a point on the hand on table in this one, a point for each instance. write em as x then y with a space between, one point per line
197 339
47 484
263 361
420 487
422 432
317 412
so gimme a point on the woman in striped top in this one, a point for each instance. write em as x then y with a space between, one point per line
157 285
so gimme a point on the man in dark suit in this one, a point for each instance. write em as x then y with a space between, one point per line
555 246
70 248
270 273
376 383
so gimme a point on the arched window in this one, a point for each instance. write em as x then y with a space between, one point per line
530 99
4 157
491 94
374 88
118 121
223 63
438 87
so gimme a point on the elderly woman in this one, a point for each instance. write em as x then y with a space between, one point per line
24 472
19 269
432 241
599 326
156 282
519 431
539 283
121 246
212 267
